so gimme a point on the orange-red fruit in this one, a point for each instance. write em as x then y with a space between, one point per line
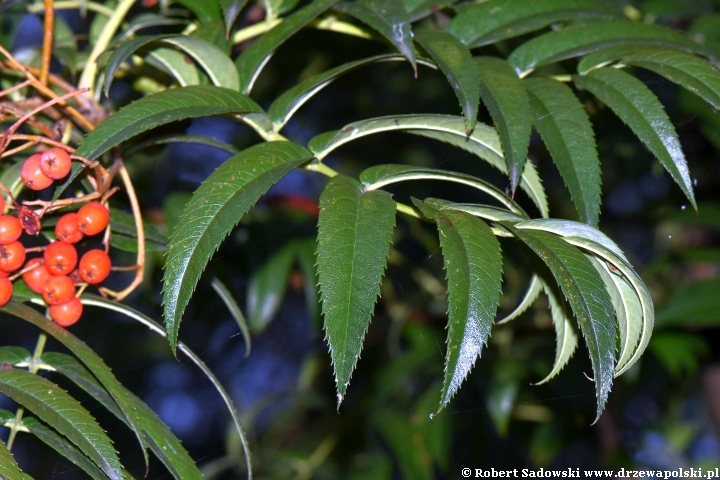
94 266
93 217
12 256
6 290
67 228
55 163
36 275
66 314
60 258
58 289
32 176
10 229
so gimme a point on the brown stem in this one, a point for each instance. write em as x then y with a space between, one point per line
19 113
15 150
50 206
48 31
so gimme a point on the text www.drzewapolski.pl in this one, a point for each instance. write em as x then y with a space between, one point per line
580 473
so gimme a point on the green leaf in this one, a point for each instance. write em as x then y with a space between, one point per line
490 22
531 294
389 18
63 447
203 9
174 63
267 286
486 212
640 109
215 208
306 260
354 234
231 9
566 130
55 407
606 56
387 174
160 109
211 58
583 39
251 61
680 352
455 61
696 304
181 138
235 311
147 20
9 469
566 339
473 267
586 293
124 223
503 390
215 33
148 427
505 97
13 355
482 142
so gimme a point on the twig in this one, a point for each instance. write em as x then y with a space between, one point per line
14 88
48 31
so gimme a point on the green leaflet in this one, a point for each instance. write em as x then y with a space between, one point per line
583 39
562 123
566 339
587 295
505 97
640 109
389 19
215 33
680 352
54 406
64 448
455 61
251 61
473 267
503 389
354 233
174 63
146 425
146 20
387 174
231 9
13 355
531 294
568 228
694 304
235 311
203 9
215 208
490 22
181 138
486 212
606 56
306 261
267 286
9 468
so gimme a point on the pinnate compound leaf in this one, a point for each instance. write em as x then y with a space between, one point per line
583 39
148 428
9 469
231 9
354 234
56 407
215 208
455 61
162 108
566 130
640 109
251 61
566 339
505 97
587 295
490 22
388 18
64 448
473 267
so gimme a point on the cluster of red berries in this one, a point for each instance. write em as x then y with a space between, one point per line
55 274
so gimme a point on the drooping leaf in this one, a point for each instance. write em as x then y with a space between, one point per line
583 39
568 228
566 130
640 109
473 267
211 58
174 63
231 9
389 18
531 294
590 302
505 97
9 468
251 61
162 108
566 339
55 407
63 447
455 61
354 233
215 208
235 311
490 22
267 286
203 9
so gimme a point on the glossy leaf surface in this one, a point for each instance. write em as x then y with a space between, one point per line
9 468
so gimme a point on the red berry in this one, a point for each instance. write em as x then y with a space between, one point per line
6 290
67 228
37 276
10 229
58 289
66 314
32 176
93 217
60 258
94 266
55 163
12 256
